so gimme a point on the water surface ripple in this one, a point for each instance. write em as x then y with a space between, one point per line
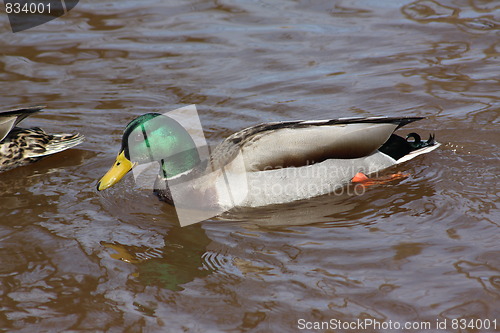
418 249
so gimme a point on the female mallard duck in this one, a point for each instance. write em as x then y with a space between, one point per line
21 146
264 164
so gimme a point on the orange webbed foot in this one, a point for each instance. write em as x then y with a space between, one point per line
364 180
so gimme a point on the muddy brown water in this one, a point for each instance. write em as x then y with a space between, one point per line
424 249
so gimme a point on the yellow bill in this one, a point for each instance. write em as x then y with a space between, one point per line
118 170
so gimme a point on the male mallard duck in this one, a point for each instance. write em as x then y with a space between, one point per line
280 162
21 146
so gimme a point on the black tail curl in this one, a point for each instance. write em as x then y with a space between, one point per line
417 142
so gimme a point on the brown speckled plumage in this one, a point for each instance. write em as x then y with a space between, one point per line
21 146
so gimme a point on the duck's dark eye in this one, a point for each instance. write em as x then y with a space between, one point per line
118 163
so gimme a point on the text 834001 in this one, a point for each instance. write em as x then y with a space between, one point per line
27 8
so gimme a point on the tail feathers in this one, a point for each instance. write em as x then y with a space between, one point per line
403 150
423 150
56 144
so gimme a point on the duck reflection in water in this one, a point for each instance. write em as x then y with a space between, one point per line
180 261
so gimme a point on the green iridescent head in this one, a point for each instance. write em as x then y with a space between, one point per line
153 137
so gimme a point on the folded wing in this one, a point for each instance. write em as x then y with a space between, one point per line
299 143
